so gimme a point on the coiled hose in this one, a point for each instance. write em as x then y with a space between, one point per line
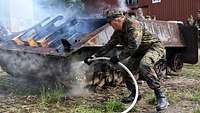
131 75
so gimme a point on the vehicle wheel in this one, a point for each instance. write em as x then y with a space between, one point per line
176 62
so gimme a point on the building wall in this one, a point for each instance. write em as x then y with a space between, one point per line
99 5
171 9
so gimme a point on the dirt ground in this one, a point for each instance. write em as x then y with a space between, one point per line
19 95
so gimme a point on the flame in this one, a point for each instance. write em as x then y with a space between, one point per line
43 42
18 41
31 41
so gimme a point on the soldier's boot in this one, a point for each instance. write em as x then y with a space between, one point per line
162 102
131 97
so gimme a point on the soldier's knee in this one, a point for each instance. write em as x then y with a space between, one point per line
144 65
147 61
146 69
143 68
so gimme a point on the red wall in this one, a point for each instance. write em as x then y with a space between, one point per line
96 6
171 9
165 10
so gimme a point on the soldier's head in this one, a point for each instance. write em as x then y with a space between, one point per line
140 14
115 18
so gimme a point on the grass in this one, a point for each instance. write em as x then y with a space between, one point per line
196 96
51 96
173 96
114 105
108 107
192 71
88 109
196 111
173 99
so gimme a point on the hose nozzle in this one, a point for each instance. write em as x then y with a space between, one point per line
88 60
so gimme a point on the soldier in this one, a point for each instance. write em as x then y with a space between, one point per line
197 23
140 14
143 50
190 20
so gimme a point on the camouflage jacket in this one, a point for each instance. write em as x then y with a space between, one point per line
133 37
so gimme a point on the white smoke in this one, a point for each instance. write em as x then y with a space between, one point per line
122 5
78 71
18 15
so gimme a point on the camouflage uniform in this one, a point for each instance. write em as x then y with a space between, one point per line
197 24
143 48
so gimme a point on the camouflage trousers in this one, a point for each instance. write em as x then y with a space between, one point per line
144 61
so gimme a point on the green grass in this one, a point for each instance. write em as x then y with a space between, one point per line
51 96
88 109
192 71
196 111
110 106
114 105
173 99
196 96
149 97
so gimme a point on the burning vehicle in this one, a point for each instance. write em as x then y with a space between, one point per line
47 49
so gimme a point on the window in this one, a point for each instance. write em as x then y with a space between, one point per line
156 1
131 2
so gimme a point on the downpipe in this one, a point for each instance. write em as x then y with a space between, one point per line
130 74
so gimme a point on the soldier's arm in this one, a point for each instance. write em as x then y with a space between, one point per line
134 36
110 44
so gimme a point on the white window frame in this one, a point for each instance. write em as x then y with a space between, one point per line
156 1
130 2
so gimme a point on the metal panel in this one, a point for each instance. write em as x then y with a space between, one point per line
167 32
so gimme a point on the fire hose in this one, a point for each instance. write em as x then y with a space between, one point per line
131 75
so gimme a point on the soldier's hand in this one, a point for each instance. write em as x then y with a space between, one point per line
88 61
114 59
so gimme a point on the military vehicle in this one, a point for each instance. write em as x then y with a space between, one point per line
47 49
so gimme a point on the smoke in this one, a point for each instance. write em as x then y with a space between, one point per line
17 15
122 5
79 71
47 71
